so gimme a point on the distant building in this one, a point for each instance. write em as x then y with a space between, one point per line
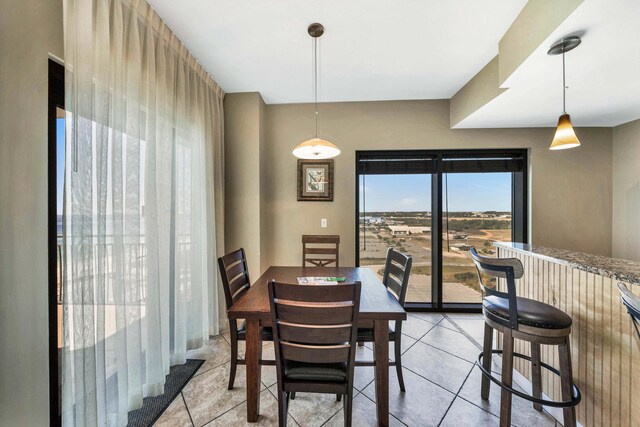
373 219
461 247
405 230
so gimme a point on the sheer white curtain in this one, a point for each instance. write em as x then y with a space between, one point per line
143 207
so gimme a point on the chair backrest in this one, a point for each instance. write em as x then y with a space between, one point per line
504 268
397 270
632 303
235 275
315 324
320 250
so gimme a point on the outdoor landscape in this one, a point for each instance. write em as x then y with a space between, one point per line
410 233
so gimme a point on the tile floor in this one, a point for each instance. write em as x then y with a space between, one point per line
443 385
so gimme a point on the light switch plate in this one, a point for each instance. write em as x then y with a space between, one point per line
323 223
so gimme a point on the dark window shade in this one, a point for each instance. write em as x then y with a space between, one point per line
397 163
425 162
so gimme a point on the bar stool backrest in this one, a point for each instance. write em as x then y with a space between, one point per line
503 268
632 303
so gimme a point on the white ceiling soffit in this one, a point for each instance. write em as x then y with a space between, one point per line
603 74
371 49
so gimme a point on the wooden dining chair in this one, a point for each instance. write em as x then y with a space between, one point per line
397 270
235 282
320 250
314 328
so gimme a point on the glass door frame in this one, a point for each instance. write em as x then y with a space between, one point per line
55 101
490 157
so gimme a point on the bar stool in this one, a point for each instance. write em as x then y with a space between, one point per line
528 320
632 303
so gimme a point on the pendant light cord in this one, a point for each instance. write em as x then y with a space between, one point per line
315 79
564 86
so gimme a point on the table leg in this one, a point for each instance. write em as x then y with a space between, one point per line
252 356
381 357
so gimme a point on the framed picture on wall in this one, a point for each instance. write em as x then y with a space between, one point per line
315 180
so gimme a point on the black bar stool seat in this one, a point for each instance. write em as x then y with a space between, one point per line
530 313
528 320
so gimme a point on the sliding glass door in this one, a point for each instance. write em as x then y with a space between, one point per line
476 213
435 206
395 211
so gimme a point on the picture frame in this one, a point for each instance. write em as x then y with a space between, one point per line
315 180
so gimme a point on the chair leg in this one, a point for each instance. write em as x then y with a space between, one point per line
566 382
360 343
338 397
347 406
486 361
293 395
234 360
283 407
507 376
397 347
536 374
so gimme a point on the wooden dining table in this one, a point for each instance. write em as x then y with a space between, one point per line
377 307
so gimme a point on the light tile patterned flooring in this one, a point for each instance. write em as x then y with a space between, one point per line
443 385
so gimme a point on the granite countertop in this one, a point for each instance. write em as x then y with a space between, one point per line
617 269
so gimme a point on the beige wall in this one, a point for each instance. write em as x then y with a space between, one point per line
626 191
243 136
570 194
29 31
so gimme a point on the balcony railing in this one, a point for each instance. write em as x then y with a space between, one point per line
103 272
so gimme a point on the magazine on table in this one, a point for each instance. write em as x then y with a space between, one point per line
320 280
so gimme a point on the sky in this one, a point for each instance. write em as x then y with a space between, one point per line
59 163
467 192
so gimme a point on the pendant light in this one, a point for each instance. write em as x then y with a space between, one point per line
565 136
315 148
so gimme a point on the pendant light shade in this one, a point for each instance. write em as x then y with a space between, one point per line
315 148
565 136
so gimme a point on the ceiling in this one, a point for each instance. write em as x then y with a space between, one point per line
371 50
603 74
376 50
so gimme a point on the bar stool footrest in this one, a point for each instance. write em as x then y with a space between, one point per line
576 396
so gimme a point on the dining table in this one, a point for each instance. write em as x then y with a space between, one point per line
377 307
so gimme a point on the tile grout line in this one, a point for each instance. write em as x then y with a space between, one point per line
336 413
187 408
371 400
223 413
456 396
427 379
445 351
473 341
465 333
210 369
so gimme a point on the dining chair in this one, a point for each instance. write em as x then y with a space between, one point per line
314 328
235 282
397 270
320 250
632 303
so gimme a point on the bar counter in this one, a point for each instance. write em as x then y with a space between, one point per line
605 356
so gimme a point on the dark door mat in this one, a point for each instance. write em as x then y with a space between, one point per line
153 407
